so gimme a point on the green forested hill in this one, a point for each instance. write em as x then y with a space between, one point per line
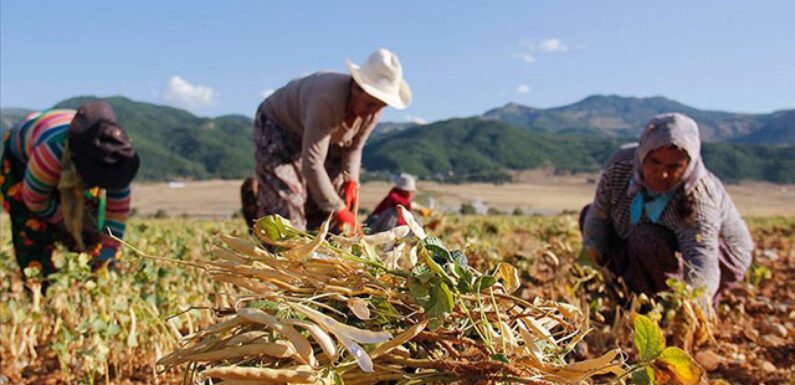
474 148
174 143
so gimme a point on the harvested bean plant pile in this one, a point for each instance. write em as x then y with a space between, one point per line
394 306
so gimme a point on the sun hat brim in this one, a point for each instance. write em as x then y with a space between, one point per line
399 100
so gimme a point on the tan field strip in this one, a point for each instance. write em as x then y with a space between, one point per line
543 195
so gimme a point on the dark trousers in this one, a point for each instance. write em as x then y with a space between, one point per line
650 255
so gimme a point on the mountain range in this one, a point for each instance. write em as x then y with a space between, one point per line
624 117
175 144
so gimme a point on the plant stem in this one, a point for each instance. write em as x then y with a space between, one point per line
632 369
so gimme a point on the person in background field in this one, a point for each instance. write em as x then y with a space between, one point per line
309 137
386 215
656 201
66 178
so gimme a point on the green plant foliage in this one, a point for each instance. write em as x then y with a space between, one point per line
644 376
680 364
648 338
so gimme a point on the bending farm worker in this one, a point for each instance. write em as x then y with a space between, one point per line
309 136
66 178
655 201
386 215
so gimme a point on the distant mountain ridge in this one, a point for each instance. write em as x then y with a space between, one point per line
390 127
9 116
623 117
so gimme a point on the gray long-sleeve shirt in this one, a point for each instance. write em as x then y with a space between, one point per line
715 218
314 108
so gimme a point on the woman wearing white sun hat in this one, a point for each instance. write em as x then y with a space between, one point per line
309 137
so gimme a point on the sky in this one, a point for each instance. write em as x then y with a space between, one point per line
461 58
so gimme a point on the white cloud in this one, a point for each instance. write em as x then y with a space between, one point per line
525 57
530 49
184 94
522 89
552 45
416 119
266 92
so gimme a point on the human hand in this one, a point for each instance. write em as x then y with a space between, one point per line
105 257
350 194
344 221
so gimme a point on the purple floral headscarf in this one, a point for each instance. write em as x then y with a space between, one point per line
666 130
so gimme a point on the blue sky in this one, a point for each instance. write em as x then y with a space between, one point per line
461 58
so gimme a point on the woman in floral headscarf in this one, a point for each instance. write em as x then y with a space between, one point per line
656 201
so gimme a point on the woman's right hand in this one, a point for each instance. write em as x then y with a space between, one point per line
350 194
344 221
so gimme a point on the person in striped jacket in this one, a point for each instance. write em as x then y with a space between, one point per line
65 178
658 213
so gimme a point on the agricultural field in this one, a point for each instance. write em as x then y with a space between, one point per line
113 327
535 192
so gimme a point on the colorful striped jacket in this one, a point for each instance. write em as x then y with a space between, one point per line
39 142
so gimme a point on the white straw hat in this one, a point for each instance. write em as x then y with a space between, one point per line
406 182
381 76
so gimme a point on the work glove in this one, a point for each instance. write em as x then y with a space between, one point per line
350 194
344 221
105 257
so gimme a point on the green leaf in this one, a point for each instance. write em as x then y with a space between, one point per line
264 304
459 258
441 302
426 277
418 290
500 357
383 311
99 325
439 250
435 267
644 376
277 228
32 271
464 278
648 338
418 270
114 329
484 282
681 365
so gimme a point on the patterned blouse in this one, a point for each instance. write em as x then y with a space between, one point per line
715 222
